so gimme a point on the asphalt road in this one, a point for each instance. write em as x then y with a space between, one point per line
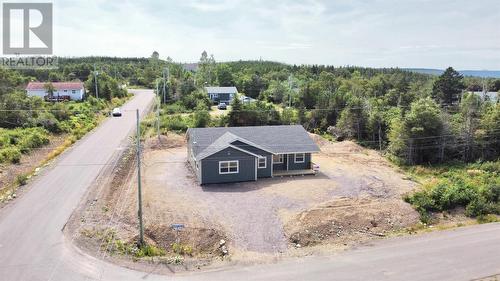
33 247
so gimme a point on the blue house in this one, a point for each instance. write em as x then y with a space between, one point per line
221 94
236 154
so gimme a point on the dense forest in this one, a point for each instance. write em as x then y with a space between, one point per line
415 118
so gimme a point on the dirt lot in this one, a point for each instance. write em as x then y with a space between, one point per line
355 197
356 187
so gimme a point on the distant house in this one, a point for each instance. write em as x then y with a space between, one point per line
236 154
221 94
487 96
63 90
192 67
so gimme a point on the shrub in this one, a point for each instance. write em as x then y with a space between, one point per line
181 249
175 108
174 123
453 186
47 121
22 179
478 207
10 154
201 118
487 218
149 251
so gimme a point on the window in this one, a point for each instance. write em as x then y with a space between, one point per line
262 162
228 167
278 158
299 158
73 91
65 91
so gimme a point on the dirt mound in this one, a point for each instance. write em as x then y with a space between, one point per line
342 147
319 140
200 240
169 141
345 220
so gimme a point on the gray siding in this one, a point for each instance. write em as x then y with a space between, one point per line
210 167
299 166
221 97
263 172
280 166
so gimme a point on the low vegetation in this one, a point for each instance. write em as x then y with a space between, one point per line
473 187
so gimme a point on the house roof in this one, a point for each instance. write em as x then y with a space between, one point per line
275 139
57 85
221 90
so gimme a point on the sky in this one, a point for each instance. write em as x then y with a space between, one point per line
464 34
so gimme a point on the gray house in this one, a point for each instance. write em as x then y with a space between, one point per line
221 94
235 154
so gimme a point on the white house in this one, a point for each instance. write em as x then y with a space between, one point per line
64 90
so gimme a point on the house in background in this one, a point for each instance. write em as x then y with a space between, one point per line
221 94
236 154
487 96
63 90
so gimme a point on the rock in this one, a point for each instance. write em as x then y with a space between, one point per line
222 242
297 246
224 250
14 195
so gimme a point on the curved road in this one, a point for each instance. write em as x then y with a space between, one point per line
33 247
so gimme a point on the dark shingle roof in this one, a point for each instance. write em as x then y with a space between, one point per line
221 90
275 139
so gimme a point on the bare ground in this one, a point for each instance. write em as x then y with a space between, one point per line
355 197
263 216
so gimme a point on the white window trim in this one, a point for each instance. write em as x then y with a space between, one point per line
228 163
281 159
265 162
303 158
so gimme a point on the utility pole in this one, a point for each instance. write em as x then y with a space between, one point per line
157 98
379 136
95 78
290 91
139 191
167 74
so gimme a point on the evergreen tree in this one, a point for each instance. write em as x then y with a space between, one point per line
447 87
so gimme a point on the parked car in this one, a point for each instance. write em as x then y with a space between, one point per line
222 106
247 99
116 112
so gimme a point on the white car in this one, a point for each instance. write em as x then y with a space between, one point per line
116 112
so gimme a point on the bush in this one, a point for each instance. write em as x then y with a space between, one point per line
175 108
22 179
181 249
201 118
174 123
478 192
10 154
149 251
49 122
478 207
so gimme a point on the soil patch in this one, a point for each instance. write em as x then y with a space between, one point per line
345 220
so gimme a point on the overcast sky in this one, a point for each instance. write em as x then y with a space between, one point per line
464 34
